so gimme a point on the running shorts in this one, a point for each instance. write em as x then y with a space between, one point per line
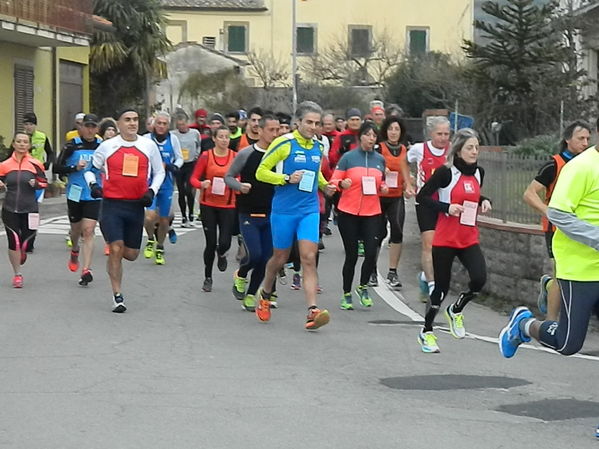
122 220
163 202
83 209
427 218
286 228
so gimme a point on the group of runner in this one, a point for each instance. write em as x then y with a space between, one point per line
276 183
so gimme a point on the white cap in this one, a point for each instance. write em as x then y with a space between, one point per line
79 116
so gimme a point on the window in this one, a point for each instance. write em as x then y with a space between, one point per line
418 41
360 38
23 93
237 37
306 39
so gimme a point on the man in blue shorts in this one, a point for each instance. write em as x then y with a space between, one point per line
128 161
160 210
295 210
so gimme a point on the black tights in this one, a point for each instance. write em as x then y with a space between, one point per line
186 191
473 260
213 218
353 228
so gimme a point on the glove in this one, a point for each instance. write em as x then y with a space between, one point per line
96 190
147 198
172 168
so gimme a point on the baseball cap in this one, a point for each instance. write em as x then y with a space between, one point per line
79 116
201 113
30 117
90 119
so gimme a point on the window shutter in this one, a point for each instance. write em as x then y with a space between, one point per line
23 93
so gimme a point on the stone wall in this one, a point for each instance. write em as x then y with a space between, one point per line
516 258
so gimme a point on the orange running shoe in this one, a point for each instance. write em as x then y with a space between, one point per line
317 318
263 308
74 261
106 249
17 281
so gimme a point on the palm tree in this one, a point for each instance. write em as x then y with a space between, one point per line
125 60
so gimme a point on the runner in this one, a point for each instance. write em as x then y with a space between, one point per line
453 192
428 157
397 178
328 128
200 124
159 212
359 177
253 206
108 128
70 135
378 116
236 132
217 202
73 161
573 210
575 140
340 124
346 140
190 141
216 121
20 176
284 123
295 207
129 161
251 135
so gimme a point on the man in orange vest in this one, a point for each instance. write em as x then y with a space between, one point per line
575 140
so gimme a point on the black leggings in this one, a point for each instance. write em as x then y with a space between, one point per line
216 241
394 212
186 191
353 228
17 230
473 260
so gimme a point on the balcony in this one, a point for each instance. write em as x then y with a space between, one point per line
46 22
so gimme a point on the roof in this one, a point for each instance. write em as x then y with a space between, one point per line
243 5
237 61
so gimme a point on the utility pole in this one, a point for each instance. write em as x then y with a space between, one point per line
294 54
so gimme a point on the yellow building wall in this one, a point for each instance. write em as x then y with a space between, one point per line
79 55
449 22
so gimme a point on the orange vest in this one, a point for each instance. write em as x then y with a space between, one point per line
394 163
559 164
214 170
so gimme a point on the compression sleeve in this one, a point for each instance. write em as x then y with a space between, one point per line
441 178
158 172
235 169
60 167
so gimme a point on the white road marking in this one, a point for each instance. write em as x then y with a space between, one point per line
397 302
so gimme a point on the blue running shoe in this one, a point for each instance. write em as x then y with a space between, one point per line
542 299
172 236
423 285
511 336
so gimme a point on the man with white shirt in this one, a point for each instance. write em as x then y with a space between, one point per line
428 156
128 162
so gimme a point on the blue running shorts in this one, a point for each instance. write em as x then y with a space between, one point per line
287 227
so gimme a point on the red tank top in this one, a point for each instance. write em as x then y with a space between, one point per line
216 170
449 231
429 164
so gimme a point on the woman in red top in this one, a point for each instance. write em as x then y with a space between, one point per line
359 175
458 186
21 175
217 202
397 178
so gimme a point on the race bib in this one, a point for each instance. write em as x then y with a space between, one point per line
130 165
75 193
368 185
391 179
218 186
33 221
185 153
468 217
306 184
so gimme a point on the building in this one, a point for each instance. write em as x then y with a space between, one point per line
589 41
236 27
44 66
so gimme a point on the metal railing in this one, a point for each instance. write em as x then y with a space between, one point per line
506 178
69 15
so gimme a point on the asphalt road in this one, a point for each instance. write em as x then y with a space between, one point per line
187 369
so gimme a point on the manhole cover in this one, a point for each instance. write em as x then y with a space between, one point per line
394 322
553 409
452 382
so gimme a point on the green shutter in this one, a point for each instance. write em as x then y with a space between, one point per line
360 42
305 40
417 42
236 39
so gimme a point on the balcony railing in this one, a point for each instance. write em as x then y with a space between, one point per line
68 15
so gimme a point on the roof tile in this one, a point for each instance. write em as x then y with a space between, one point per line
214 4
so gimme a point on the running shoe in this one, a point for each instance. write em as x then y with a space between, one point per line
207 287
543 291
374 280
346 302
184 223
159 256
118 303
393 280
428 342
316 318
239 284
282 276
172 236
511 336
456 322
249 303
360 248
68 241
17 281
364 295
320 245
106 249
263 309
86 277
327 231
423 287
296 284
74 261
221 263
274 300
149 249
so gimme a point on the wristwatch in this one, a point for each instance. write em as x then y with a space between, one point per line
286 178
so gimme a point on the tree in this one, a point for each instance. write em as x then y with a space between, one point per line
523 69
268 69
338 64
124 62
